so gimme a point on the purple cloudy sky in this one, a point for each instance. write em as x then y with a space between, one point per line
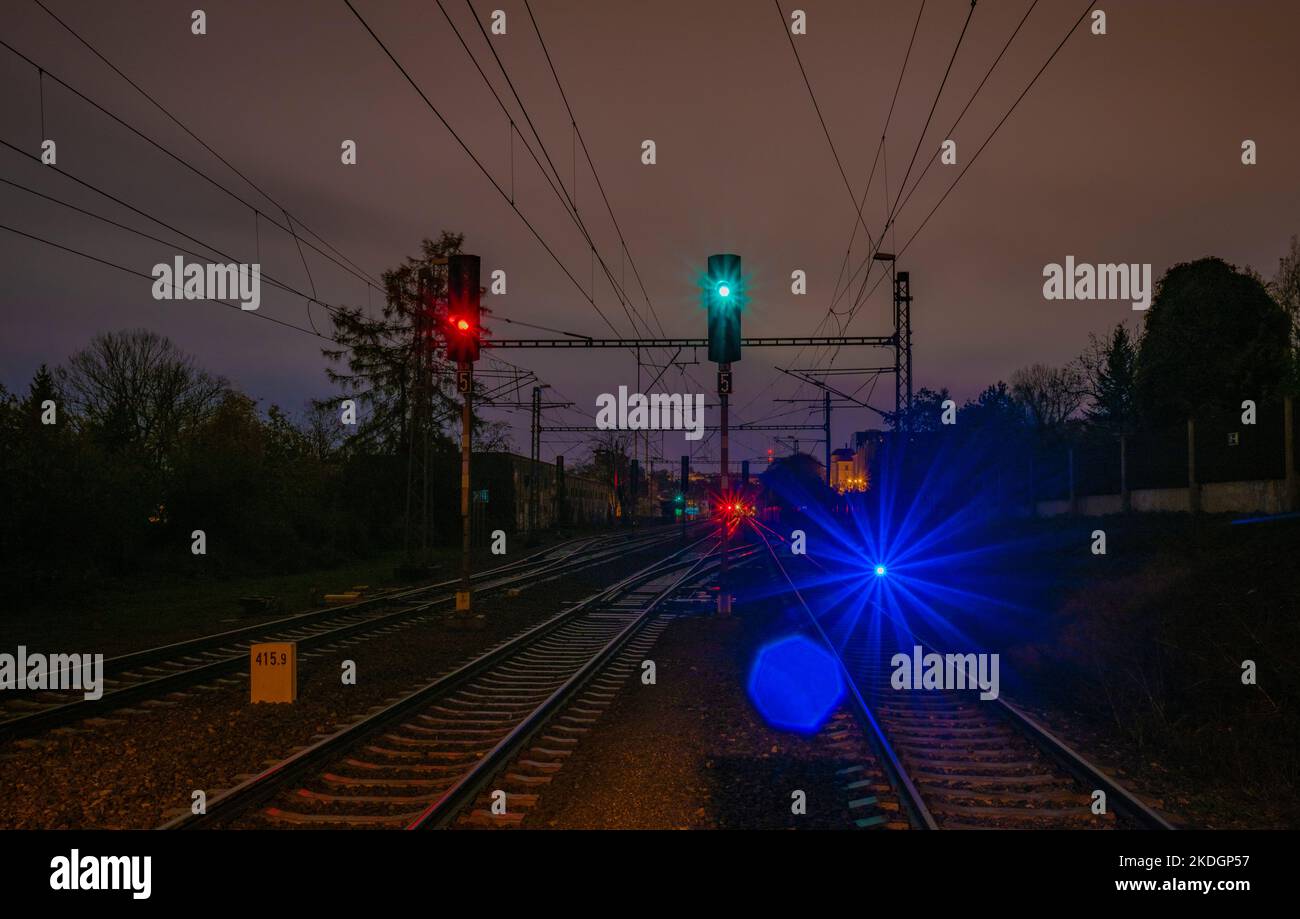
1126 149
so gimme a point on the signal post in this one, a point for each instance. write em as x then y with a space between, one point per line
463 339
683 493
724 295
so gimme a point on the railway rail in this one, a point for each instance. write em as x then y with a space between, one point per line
956 762
157 672
424 760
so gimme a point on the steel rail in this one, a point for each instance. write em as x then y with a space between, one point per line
919 815
56 714
253 791
447 808
1075 764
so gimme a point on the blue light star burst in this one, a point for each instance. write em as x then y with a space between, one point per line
922 555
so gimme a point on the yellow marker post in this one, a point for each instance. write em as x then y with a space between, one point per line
273 671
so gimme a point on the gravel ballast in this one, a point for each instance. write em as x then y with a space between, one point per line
140 765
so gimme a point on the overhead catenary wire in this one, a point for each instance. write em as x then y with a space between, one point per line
124 268
149 236
934 157
477 162
902 199
826 131
596 175
121 202
992 134
371 282
884 134
892 209
290 226
830 313
256 313
567 199
181 160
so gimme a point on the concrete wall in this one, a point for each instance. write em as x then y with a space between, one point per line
1259 497
1266 497
506 478
1150 500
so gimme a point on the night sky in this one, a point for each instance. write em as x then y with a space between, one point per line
1126 149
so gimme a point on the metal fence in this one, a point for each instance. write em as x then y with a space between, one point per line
1216 448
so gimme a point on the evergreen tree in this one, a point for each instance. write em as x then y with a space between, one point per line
1111 369
1213 337
382 355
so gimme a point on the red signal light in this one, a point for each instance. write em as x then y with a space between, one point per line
463 327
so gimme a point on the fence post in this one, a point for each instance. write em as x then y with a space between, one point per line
1193 489
1126 500
1292 497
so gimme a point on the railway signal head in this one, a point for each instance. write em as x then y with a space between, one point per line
463 312
724 296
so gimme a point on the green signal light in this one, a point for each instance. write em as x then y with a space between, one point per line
724 290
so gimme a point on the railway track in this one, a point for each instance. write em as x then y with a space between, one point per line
954 761
157 672
426 760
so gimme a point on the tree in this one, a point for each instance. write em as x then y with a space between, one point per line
1109 368
995 409
41 389
135 390
1213 336
1285 289
1049 395
1285 286
797 479
926 414
495 437
383 356
321 431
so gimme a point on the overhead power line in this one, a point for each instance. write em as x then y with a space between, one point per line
483 169
183 162
565 198
148 277
596 175
145 214
835 153
992 134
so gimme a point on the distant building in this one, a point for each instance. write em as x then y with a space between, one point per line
501 484
842 475
867 446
